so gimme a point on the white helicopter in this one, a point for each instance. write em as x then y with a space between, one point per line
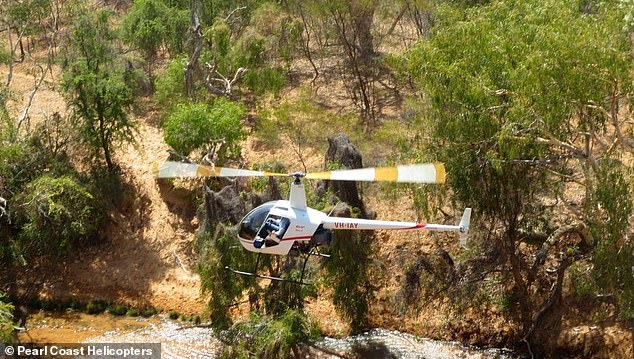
289 226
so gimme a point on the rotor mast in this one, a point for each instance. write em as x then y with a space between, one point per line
297 197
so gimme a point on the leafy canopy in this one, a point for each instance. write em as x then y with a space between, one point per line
100 91
56 215
498 76
521 95
192 126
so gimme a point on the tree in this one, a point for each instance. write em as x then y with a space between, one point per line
56 214
525 104
99 89
150 24
192 126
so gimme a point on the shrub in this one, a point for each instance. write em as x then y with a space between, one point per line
173 315
148 312
191 126
57 213
6 320
118 310
170 85
267 337
133 312
96 306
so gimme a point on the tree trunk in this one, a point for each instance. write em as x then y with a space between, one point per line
341 151
105 145
363 16
192 64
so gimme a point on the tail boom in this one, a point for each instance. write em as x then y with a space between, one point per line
368 224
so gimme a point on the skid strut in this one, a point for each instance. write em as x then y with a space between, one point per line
254 274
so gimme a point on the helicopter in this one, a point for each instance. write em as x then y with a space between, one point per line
290 227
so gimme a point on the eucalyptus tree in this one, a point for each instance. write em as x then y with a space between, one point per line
99 88
527 104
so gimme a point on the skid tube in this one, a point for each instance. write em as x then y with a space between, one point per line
255 275
313 251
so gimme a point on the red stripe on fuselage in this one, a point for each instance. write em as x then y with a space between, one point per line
296 238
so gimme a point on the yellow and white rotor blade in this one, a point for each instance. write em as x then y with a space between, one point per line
171 169
417 173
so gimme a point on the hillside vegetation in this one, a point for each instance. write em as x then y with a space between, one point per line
528 104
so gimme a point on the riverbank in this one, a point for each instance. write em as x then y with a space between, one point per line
180 339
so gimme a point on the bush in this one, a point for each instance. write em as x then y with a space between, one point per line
57 214
191 126
96 306
148 312
266 337
265 80
133 312
118 310
170 85
173 315
6 321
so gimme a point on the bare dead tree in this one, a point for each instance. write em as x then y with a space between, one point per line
225 83
214 81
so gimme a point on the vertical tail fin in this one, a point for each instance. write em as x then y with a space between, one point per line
464 226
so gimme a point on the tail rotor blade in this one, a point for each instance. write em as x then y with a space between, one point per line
417 173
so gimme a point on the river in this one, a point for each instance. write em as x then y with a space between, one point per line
184 340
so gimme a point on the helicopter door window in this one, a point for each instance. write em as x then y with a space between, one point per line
254 220
272 231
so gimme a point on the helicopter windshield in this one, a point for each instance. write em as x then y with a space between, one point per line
252 222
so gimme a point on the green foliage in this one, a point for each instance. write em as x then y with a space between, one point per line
170 85
192 126
57 215
133 312
612 260
270 337
508 86
349 272
173 315
148 312
152 23
265 46
301 121
99 89
265 80
144 26
97 306
582 283
118 310
280 32
492 90
5 55
215 255
28 15
6 321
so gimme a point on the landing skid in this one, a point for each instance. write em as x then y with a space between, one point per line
255 275
311 251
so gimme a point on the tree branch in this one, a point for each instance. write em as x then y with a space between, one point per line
38 82
233 12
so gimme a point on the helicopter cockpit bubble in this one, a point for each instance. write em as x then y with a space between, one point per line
252 222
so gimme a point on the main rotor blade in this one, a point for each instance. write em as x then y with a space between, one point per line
171 169
418 173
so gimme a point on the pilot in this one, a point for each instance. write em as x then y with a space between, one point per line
272 230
